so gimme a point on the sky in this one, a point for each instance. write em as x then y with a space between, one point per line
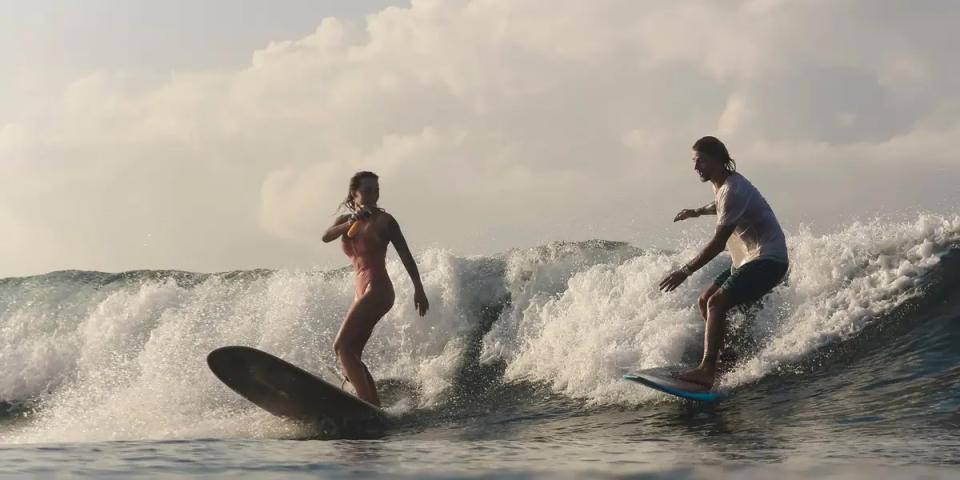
220 135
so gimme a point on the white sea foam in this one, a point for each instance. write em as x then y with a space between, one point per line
123 357
580 336
130 362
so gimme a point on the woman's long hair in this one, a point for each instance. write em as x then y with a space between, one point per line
349 203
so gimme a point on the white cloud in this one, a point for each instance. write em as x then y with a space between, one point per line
493 124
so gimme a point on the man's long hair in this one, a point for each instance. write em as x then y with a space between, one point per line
713 147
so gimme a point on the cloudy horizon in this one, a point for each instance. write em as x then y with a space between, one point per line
222 137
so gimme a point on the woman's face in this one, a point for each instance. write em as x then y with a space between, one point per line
367 193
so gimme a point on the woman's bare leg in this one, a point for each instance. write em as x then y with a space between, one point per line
362 317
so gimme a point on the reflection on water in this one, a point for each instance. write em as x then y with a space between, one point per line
568 457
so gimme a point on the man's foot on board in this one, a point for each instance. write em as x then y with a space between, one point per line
696 376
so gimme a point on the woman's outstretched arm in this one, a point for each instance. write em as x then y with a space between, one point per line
400 243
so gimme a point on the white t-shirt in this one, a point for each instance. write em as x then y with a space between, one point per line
758 234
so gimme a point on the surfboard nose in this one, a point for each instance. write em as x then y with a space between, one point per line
226 362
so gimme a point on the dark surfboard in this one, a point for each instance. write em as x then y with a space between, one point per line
288 391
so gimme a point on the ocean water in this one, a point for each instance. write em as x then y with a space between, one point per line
851 369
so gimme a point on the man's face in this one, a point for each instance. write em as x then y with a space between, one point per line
703 165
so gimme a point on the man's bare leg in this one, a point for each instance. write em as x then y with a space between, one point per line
705 298
713 333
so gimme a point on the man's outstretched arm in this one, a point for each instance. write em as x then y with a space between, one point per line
708 209
716 245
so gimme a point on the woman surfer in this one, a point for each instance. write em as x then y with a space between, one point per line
365 233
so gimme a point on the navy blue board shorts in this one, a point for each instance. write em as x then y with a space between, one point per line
749 283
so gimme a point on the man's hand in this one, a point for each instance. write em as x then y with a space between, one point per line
685 214
673 280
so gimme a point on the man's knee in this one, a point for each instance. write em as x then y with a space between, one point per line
702 301
718 302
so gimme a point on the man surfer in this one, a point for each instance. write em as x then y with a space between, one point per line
748 228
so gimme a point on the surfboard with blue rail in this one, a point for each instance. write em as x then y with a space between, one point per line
661 379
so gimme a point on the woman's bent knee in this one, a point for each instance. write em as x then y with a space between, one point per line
344 349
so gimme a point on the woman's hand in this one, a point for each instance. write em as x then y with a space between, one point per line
361 213
420 302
